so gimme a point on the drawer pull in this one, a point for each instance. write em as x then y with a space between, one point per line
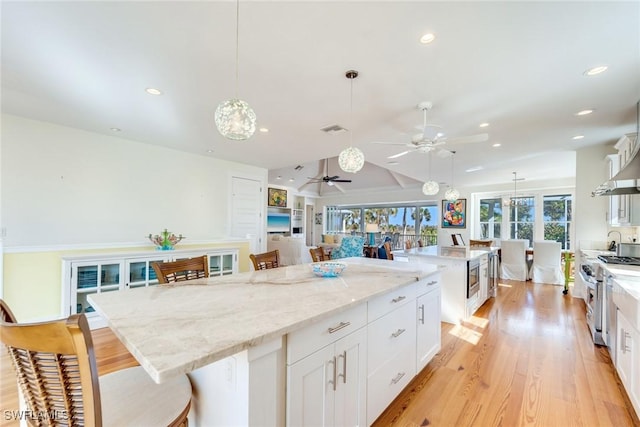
340 326
432 283
421 319
397 378
397 333
400 298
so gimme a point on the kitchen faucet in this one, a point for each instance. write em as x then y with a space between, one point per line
612 246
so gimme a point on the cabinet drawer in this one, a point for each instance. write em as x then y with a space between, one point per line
387 382
392 333
428 284
383 304
305 341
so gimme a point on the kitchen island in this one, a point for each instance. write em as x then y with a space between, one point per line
240 336
469 276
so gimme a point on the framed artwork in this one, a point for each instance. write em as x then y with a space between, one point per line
277 198
454 214
318 218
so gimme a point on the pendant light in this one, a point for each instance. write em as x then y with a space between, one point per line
430 187
351 159
234 118
452 194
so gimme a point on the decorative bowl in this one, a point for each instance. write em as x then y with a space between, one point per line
328 269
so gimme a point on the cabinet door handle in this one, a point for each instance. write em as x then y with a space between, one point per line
421 319
397 333
397 378
335 373
344 367
398 299
432 283
340 326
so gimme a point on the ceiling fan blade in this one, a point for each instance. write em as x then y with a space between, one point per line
330 178
340 180
481 137
395 156
443 154
388 143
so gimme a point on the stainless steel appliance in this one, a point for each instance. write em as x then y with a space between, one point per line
494 269
473 277
615 259
592 276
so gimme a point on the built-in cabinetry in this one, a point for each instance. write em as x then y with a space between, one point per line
621 207
345 370
86 275
628 358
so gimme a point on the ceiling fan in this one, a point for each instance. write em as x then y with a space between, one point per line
431 138
328 179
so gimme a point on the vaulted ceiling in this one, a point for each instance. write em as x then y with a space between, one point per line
518 66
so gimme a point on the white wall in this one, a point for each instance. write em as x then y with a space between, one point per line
64 186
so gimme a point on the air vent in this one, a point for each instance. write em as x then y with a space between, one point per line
333 129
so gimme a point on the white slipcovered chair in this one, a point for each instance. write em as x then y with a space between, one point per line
513 265
547 266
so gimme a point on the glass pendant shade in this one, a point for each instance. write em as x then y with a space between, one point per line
430 188
235 119
351 160
451 194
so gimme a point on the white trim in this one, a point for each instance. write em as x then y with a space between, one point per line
99 246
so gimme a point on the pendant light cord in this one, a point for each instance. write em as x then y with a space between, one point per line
237 44
351 114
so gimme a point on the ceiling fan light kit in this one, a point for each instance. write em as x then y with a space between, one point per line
351 159
234 118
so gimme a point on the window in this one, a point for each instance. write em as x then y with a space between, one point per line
401 222
522 217
490 218
557 218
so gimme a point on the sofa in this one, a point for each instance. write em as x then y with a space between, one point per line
292 249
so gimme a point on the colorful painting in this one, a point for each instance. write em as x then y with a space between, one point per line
277 197
454 214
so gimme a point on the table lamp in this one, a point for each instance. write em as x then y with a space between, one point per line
372 229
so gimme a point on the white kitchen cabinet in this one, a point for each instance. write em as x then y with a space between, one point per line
623 209
328 387
428 331
628 359
86 275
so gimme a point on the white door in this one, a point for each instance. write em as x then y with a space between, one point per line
246 211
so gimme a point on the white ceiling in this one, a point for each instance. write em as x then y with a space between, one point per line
517 65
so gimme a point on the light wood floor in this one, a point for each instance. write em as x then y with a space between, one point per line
526 358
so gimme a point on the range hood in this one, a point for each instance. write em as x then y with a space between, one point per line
627 180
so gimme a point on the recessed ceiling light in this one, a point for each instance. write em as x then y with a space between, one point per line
595 70
264 130
209 151
291 179
278 177
584 112
427 38
484 125
497 144
578 137
115 129
153 91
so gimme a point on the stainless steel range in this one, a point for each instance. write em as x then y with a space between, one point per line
616 259
592 275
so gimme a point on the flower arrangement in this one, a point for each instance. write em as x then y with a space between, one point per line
166 240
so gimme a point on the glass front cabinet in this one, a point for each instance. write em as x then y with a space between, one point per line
83 276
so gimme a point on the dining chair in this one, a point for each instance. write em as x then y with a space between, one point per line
266 260
547 262
181 270
407 244
514 259
317 254
387 251
56 371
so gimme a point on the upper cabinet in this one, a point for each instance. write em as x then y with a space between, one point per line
622 207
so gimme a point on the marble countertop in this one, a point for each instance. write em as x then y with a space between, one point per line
176 328
445 252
